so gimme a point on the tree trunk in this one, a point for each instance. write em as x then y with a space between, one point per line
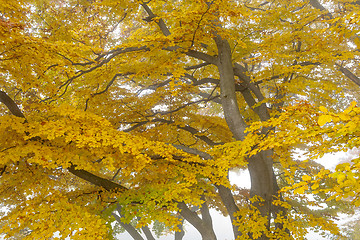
260 165
206 230
179 235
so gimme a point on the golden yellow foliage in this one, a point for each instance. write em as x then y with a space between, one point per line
150 104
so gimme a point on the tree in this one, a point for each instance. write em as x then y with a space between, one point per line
140 108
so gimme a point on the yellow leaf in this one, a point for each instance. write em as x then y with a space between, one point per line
351 126
341 178
344 117
300 190
315 186
306 178
323 109
323 119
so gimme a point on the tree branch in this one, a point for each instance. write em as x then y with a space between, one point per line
316 4
202 56
180 235
349 74
206 232
240 72
193 151
147 233
187 128
197 66
261 110
192 131
238 87
205 213
228 199
11 105
207 95
128 227
183 106
98 181
164 29
229 102
111 82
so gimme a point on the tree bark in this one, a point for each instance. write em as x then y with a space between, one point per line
229 202
128 227
179 235
11 105
260 165
207 232
147 233
229 103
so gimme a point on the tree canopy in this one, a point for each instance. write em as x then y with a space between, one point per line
134 112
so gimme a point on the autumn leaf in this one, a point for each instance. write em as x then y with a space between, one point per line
323 119
323 109
306 178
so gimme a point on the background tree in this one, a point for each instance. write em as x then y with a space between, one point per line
139 109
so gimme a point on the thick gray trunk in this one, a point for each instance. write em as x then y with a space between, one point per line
147 232
128 227
261 175
179 235
227 86
205 214
206 231
260 166
263 183
228 200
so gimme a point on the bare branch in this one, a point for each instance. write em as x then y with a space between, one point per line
187 128
183 106
157 85
349 74
139 124
207 95
75 63
96 180
128 227
164 29
316 4
197 66
228 199
111 82
11 105
194 151
240 72
202 56
146 231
